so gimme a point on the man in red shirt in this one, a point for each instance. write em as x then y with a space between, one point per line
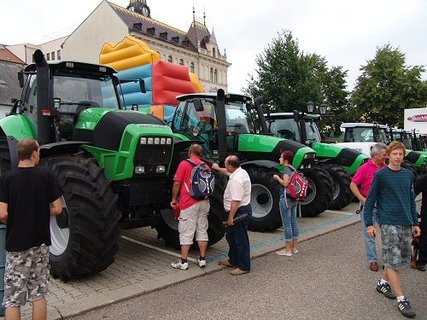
193 218
360 185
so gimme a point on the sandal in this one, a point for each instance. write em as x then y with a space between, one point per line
284 253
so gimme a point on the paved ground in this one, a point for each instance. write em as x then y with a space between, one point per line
143 265
327 279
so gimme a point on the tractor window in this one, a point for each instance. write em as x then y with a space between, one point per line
238 119
383 136
359 134
199 125
99 91
285 128
313 133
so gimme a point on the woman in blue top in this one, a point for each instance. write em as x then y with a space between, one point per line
288 208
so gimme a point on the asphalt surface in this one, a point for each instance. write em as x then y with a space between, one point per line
328 279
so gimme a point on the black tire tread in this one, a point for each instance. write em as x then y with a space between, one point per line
345 197
273 220
93 217
324 194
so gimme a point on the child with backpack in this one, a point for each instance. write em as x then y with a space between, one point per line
294 188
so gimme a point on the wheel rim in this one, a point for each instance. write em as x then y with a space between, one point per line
59 233
311 193
168 218
261 201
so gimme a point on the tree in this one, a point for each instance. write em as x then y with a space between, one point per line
387 86
287 78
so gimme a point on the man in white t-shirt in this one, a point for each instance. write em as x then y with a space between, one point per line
237 198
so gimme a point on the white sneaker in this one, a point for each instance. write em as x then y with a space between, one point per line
201 263
180 265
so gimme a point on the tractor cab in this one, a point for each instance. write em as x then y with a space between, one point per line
295 126
197 117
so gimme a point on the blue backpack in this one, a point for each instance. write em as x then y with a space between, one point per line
202 181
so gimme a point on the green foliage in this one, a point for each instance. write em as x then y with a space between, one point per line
387 87
287 78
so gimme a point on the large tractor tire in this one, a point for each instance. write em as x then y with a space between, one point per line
4 155
320 192
342 195
85 236
264 199
167 229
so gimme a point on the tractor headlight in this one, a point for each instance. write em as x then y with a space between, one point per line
160 169
150 141
139 169
162 140
143 140
156 140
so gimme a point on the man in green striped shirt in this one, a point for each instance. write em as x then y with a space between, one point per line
393 194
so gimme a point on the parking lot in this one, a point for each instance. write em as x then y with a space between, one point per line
143 265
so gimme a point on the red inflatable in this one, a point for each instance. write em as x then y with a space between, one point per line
170 80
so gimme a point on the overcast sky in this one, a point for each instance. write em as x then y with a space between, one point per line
346 32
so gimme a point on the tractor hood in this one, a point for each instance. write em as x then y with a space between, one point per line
261 147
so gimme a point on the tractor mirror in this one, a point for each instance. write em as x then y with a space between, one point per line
198 104
142 85
21 78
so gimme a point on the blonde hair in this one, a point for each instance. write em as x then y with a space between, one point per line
394 145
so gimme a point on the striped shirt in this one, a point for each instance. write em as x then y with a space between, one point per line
393 193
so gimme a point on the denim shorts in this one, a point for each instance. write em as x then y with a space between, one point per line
26 276
396 245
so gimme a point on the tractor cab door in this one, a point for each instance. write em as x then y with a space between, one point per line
198 121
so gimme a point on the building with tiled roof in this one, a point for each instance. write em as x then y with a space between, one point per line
10 65
196 48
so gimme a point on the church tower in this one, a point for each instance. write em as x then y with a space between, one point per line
139 6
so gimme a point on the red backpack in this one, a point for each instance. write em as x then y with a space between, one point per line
298 186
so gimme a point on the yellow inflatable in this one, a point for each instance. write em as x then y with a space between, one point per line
128 53
196 82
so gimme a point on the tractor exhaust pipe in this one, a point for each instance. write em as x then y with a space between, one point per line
222 129
44 120
258 107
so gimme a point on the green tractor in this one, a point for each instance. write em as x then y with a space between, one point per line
114 165
232 124
339 162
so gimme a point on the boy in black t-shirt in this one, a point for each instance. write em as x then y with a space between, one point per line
28 197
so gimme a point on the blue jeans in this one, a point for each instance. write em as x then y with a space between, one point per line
288 212
370 243
238 241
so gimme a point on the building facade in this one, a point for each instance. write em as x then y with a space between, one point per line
51 49
196 48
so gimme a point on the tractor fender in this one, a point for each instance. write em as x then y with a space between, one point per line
261 163
64 147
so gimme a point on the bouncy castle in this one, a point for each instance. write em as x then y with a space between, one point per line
133 59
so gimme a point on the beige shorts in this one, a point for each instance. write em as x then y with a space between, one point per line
194 221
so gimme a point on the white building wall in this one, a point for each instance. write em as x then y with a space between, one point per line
86 42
